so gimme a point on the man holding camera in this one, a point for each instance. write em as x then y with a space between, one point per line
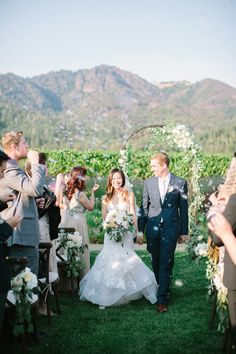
25 239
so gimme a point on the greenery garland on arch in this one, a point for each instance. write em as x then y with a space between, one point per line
180 138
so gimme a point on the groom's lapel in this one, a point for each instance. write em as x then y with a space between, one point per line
156 191
170 187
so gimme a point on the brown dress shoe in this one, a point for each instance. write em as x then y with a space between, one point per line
162 308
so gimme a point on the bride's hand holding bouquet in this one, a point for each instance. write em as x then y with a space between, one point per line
117 223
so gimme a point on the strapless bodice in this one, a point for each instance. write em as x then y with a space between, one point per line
120 206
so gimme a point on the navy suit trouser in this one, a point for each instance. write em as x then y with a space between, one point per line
162 251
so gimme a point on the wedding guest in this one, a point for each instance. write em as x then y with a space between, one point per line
75 204
222 236
61 181
164 217
49 215
25 238
6 230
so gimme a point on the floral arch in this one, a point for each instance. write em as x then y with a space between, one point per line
180 138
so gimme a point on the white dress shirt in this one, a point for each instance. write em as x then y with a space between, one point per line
163 185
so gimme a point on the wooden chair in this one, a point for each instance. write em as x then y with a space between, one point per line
71 283
213 309
47 280
17 265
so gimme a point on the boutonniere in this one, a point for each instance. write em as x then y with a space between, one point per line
170 189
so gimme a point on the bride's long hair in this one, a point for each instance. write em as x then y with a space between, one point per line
76 181
111 189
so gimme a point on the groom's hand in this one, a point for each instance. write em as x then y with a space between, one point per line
182 238
140 239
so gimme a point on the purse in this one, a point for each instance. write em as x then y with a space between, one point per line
49 200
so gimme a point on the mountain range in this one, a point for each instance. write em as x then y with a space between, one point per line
99 108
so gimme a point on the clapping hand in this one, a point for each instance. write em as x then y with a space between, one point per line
7 197
219 225
95 187
33 156
14 221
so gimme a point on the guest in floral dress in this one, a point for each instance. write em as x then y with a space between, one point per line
75 204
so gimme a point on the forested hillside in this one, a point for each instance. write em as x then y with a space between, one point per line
99 108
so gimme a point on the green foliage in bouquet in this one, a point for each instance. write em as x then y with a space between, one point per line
117 224
72 244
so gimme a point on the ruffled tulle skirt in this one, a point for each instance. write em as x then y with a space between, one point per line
117 277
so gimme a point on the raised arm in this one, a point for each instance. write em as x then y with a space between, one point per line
89 203
16 179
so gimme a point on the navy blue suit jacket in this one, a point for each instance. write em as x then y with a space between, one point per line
172 213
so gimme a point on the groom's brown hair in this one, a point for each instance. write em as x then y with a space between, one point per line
162 157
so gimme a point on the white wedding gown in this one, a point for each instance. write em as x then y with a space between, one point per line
118 274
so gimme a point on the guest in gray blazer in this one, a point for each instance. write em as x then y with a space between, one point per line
164 216
6 229
25 239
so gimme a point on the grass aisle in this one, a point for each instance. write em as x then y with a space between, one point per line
137 327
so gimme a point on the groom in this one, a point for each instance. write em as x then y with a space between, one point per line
164 214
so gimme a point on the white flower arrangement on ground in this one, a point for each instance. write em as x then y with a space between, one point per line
73 246
24 286
117 224
214 273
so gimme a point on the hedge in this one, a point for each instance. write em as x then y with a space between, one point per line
99 163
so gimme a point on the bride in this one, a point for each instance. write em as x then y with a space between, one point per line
118 274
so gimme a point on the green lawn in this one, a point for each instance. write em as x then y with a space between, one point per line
136 327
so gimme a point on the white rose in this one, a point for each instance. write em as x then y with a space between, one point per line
201 249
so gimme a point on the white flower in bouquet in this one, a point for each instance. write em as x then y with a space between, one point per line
201 249
30 278
16 283
25 278
24 285
73 246
117 223
74 240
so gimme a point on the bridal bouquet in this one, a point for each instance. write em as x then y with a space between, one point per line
117 223
24 286
73 246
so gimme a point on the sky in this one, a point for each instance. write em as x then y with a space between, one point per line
159 40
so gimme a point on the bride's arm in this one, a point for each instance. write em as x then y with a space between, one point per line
132 209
